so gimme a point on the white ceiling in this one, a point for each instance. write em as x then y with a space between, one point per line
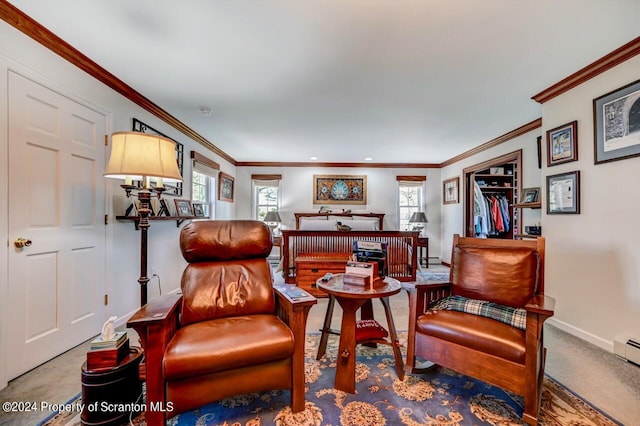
400 81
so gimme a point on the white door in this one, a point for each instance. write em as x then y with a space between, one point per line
56 201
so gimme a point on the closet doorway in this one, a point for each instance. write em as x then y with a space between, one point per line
491 189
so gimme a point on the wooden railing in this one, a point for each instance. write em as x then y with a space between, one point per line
402 246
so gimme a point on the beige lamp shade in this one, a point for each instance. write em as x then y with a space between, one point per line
136 155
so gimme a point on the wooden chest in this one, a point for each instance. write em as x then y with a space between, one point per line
311 266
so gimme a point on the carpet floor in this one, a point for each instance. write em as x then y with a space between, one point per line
438 397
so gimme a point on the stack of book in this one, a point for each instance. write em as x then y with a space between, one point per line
107 353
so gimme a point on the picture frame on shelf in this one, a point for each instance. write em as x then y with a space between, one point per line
616 125
163 210
530 195
183 208
451 191
226 188
198 209
562 144
563 193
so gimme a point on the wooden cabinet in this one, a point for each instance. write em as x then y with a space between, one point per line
312 266
492 189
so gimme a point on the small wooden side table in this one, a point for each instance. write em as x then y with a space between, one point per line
423 243
351 298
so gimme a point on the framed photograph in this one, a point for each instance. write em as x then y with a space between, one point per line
226 188
563 193
451 191
170 188
339 189
562 144
529 195
198 209
183 208
616 124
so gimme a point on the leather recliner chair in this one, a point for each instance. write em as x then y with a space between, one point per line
504 280
229 333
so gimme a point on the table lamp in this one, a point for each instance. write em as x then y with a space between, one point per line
141 156
420 218
272 219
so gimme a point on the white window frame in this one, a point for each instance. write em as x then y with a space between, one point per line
256 185
404 212
211 187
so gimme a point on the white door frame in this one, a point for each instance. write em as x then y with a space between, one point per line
7 65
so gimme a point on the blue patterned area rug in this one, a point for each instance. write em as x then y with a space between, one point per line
425 275
438 397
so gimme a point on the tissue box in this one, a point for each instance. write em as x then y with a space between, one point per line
100 359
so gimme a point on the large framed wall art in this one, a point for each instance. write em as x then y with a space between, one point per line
616 122
339 189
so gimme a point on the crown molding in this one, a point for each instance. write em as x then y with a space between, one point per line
24 23
603 64
345 165
535 124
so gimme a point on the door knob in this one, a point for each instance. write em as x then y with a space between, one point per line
22 242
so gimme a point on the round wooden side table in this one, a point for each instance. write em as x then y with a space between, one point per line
351 298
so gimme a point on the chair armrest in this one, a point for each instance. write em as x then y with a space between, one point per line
293 306
156 323
541 304
159 310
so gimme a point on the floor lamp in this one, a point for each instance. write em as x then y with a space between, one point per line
141 156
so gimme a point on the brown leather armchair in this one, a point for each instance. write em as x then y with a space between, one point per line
229 333
500 275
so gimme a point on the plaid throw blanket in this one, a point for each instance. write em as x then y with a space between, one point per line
517 317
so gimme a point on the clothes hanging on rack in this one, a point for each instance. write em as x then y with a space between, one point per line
480 215
491 213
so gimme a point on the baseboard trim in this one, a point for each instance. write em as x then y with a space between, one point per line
581 334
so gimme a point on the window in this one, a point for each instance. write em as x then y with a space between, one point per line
266 190
203 182
410 196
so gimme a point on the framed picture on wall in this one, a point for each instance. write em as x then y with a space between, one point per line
616 122
563 193
451 191
226 188
339 189
562 144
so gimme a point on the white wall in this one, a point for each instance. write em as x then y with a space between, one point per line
453 214
593 258
21 54
297 194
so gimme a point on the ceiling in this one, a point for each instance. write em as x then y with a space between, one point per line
408 81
